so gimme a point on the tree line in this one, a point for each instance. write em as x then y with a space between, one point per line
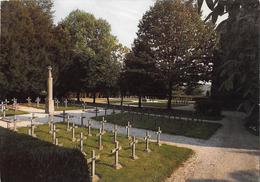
174 48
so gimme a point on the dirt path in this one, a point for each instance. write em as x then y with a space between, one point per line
232 154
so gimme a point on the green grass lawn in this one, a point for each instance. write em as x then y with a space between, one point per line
202 130
12 112
60 108
154 166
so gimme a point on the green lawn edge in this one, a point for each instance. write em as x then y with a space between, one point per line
201 130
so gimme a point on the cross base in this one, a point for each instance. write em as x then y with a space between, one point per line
118 166
100 147
94 178
89 134
134 157
147 150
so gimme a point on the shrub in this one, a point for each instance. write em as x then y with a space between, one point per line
23 158
208 107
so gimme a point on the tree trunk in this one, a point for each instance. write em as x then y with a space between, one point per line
108 103
139 101
94 97
78 96
122 100
169 105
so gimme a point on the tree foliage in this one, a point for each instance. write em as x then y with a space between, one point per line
175 42
26 47
237 73
95 52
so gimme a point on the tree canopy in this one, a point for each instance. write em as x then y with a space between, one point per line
176 43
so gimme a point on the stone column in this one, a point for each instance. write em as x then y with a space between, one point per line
49 106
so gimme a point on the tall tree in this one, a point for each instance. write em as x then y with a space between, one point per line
92 38
172 33
26 44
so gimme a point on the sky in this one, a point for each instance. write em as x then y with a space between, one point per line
122 15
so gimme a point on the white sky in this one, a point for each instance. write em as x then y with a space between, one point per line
123 15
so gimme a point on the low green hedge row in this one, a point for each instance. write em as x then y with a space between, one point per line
23 158
208 107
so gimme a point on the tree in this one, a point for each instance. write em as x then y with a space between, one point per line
91 38
237 72
26 47
177 42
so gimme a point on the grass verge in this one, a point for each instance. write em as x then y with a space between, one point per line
202 130
60 108
12 112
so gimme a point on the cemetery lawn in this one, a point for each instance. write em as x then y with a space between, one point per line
60 108
201 130
11 112
154 166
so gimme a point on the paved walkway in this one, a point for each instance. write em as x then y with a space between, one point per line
232 154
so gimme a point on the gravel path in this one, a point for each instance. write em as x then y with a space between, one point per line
232 154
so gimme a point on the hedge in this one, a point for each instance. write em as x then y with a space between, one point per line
24 158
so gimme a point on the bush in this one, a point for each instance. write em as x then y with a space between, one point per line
23 158
208 107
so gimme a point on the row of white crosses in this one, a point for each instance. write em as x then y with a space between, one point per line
100 146
37 101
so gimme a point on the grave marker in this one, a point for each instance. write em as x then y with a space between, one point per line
73 132
92 160
115 133
6 103
132 144
66 103
158 133
29 101
128 129
81 140
89 128
57 103
146 138
116 152
14 103
38 100
68 122
103 125
100 146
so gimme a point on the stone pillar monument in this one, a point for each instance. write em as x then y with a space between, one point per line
49 103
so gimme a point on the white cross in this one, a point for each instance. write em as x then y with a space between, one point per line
146 138
115 133
116 152
89 128
128 129
92 160
103 124
66 103
29 100
158 133
132 144
100 146
38 100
